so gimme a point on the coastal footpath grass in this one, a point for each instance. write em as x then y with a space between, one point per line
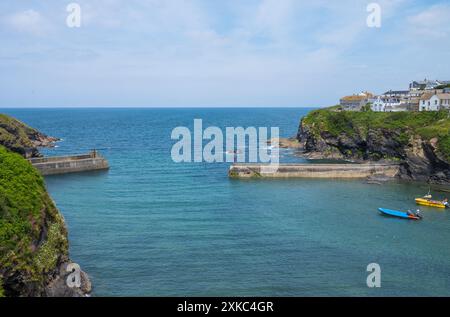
32 231
428 125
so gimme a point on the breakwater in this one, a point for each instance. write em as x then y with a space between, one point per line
312 170
70 164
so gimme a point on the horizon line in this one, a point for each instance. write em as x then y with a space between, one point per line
160 107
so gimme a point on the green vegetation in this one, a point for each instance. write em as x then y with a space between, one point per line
367 107
33 238
428 125
234 174
25 211
16 135
256 174
2 292
47 256
444 146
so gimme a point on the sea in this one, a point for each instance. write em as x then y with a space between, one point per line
152 227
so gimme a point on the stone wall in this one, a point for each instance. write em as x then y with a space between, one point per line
70 164
313 170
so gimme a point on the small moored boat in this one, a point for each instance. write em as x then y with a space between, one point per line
432 203
399 214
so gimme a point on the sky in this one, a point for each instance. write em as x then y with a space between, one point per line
216 53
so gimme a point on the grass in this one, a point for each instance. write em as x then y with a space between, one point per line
25 209
15 135
428 125
444 146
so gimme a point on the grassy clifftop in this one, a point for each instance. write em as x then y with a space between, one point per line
21 138
33 238
427 125
418 141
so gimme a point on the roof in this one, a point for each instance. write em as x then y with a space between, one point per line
426 96
396 92
354 98
428 84
362 96
426 81
443 96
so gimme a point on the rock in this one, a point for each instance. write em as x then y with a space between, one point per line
20 138
58 286
32 262
285 143
86 285
419 158
378 179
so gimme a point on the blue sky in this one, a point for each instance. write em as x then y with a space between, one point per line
215 53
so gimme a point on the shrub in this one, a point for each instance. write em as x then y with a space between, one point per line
25 208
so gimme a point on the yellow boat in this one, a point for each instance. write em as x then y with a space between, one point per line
432 203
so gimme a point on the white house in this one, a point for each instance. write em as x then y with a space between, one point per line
427 84
444 100
434 102
425 103
355 102
391 101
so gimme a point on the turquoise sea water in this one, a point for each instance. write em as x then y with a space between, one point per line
152 227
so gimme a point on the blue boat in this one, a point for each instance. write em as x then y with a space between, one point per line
399 214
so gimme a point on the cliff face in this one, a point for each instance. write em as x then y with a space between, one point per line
33 235
419 142
22 139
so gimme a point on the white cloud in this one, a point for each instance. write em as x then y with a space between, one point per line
258 52
28 21
273 16
433 22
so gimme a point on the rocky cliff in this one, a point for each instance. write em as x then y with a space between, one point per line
418 141
33 235
22 139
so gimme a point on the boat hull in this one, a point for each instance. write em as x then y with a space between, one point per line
398 214
430 203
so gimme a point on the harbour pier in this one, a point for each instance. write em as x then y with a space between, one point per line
70 164
312 170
